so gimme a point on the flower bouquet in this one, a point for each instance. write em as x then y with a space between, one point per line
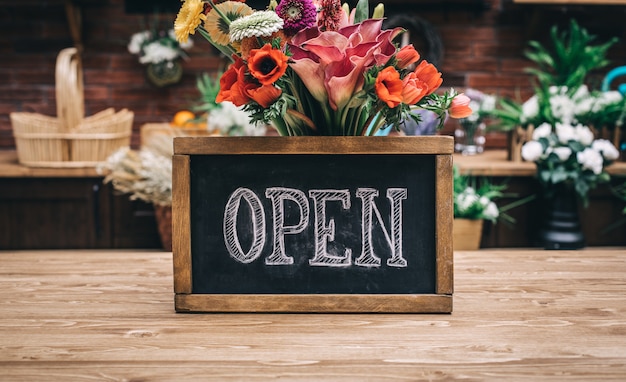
160 51
561 94
568 154
473 205
309 69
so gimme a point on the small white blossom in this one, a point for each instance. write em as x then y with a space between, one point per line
466 199
565 132
591 159
229 119
609 152
605 99
532 151
156 52
530 109
562 152
257 24
563 108
491 211
584 134
137 40
542 131
488 103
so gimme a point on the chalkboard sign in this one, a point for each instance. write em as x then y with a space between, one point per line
312 224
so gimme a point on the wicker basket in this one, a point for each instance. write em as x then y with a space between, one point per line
70 139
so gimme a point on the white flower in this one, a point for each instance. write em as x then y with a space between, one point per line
530 109
488 103
491 211
584 106
257 24
565 132
532 151
542 131
563 108
562 152
232 120
137 40
590 159
466 199
585 135
475 106
605 99
582 93
155 53
609 152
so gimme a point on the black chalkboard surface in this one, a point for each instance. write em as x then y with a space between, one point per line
312 224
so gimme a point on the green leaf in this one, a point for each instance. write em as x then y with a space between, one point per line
361 11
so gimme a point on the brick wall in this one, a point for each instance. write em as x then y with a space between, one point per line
482 42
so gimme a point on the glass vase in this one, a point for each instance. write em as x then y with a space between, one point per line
469 138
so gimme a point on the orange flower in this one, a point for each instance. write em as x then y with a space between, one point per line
427 73
266 64
413 90
459 108
264 95
231 84
407 56
389 87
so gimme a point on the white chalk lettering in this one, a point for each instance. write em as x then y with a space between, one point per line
291 221
367 257
230 225
325 233
278 195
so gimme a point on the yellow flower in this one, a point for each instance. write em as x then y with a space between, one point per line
188 19
217 27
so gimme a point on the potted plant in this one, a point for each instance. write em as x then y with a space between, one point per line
562 94
161 53
570 162
473 204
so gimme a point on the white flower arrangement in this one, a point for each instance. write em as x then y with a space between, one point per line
574 106
566 153
157 47
475 202
232 120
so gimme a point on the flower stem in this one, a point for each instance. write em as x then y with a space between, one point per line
307 121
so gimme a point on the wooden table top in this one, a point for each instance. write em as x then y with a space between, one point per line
519 315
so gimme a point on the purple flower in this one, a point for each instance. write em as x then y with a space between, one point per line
297 14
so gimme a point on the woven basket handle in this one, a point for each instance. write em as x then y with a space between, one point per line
69 89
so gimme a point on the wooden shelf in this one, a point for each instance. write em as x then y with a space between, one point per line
11 168
494 163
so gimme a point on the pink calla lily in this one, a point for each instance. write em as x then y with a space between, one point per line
331 64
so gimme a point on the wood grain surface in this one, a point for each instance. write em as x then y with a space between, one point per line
519 315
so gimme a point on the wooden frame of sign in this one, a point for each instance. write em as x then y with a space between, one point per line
313 224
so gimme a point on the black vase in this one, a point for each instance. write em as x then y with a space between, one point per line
562 229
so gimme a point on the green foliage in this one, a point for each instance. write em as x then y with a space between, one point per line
565 64
570 59
208 86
